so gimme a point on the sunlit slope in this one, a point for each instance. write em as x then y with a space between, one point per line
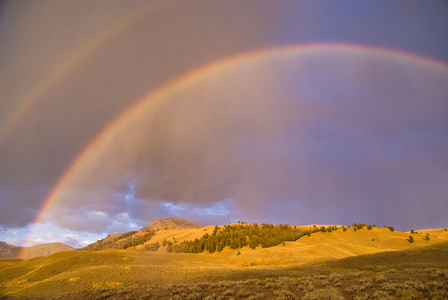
318 246
77 271
10 251
338 244
46 249
172 224
85 271
177 235
134 238
188 235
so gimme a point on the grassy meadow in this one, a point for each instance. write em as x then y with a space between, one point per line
352 264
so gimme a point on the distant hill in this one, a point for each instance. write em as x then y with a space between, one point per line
136 238
45 249
173 224
9 251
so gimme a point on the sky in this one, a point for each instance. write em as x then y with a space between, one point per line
117 113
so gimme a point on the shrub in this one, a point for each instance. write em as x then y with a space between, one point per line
381 295
270 285
243 294
195 296
324 293
285 294
410 239
152 246
336 277
196 289
381 278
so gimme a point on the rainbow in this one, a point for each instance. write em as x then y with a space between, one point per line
213 68
69 63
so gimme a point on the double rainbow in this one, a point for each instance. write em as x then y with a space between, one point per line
217 67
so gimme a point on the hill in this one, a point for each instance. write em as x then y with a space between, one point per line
45 249
371 263
318 246
9 251
172 224
136 238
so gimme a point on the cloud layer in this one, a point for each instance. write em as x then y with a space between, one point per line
327 137
369 146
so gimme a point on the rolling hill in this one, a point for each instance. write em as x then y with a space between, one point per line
9 251
387 260
45 249
172 224
135 238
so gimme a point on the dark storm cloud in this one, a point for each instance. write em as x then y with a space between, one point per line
302 140
365 147
86 75
379 23
18 207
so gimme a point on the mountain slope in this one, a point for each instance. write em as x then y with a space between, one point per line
9 251
136 238
89 272
172 224
45 249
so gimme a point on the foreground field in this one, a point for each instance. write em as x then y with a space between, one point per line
373 263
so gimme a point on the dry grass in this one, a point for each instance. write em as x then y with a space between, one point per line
303 269
353 285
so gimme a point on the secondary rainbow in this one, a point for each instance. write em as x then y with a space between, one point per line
220 66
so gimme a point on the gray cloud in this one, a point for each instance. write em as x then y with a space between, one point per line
366 147
329 138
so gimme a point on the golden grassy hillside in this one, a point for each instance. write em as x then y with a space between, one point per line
45 249
81 271
133 238
172 224
319 246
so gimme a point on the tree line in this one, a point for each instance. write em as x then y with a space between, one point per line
238 236
252 235
121 241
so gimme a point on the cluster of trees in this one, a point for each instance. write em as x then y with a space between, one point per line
357 226
121 241
328 229
109 242
153 246
138 240
241 235
411 238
